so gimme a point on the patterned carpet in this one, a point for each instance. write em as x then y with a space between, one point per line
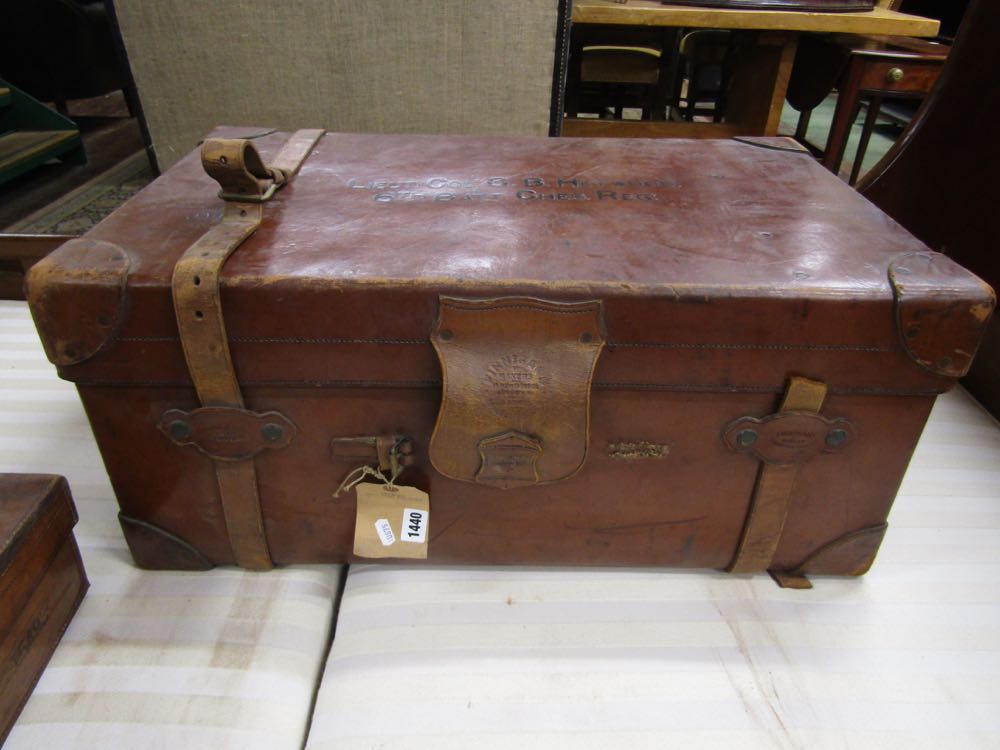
81 209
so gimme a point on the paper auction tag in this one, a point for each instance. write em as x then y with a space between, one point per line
392 521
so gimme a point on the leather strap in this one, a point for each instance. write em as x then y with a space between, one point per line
773 493
246 183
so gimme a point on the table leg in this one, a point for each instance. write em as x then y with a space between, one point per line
760 80
843 116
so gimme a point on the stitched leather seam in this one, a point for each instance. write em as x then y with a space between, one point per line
782 347
458 308
682 387
610 344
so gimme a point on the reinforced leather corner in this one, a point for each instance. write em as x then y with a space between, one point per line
77 298
515 406
941 311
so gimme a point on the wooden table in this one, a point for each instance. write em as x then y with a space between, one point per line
765 40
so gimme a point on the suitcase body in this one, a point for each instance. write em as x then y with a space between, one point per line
42 582
587 351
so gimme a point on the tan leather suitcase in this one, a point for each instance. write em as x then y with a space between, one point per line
41 582
586 351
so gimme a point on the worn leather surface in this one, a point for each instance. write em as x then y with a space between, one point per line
723 268
515 400
938 318
75 332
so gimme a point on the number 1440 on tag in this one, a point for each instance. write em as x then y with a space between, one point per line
392 521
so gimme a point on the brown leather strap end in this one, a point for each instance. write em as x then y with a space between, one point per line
773 493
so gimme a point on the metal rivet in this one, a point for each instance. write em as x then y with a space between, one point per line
272 432
895 75
746 437
836 438
586 337
179 429
447 335
199 314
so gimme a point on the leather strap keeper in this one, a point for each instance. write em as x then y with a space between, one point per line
773 493
245 184
515 406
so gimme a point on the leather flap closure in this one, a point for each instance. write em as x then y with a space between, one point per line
516 375
941 310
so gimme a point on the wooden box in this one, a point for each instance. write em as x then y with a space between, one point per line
42 582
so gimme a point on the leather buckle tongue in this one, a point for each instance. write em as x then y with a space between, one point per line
515 407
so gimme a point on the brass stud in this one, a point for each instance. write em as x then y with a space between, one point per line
836 438
272 432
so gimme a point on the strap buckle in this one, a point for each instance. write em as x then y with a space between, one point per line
241 198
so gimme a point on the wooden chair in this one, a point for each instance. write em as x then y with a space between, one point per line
614 67
705 55
864 68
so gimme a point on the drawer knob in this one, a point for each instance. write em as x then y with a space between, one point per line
895 75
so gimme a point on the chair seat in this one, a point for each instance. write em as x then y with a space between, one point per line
620 65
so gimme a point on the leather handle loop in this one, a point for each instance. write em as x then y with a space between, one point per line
235 164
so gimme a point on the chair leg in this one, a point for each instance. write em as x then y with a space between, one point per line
843 117
803 125
874 105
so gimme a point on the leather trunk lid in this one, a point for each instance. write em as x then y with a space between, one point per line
721 265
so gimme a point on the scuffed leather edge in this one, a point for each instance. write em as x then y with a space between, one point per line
73 330
154 548
849 555
941 311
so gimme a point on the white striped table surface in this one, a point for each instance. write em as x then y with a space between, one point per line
905 658
216 660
